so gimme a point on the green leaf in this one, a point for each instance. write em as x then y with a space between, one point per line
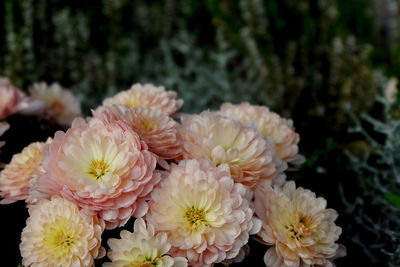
20 265
393 198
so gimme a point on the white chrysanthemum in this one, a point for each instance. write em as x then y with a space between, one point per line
58 233
250 156
17 176
269 124
297 225
141 248
60 104
205 214
147 96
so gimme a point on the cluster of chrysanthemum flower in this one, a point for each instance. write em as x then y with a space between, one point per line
197 188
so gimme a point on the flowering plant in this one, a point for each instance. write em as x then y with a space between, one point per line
198 188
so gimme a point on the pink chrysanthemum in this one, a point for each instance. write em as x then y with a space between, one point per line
9 98
142 248
103 168
147 96
269 124
18 176
154 127
58 234
60 104
205 214
297 225
250 156
3 127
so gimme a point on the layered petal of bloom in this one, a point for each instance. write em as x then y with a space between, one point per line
243 252
154 127
9 98
297 225
60 104
142 248
3 127
250 156
58 233
269 124
206 216
147 96
19 175
104 168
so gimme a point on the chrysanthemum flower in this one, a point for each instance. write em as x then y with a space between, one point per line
250 156
142 248
9 98
3 127
269 124
205 214
147 96
297 225
17 176
60 104
103 168
58 234
154 127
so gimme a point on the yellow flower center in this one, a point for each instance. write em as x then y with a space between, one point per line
195 217
300 228
134 101
57 106
145 262
149 262
60 239
98 168
148 123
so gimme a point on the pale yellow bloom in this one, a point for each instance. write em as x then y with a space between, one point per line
147 96
269 124
17 176
206 216
297 225
58 234
142 248
251 157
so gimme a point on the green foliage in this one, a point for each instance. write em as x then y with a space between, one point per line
377 205
277 53
393 198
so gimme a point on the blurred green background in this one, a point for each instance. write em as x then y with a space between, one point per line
324 63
